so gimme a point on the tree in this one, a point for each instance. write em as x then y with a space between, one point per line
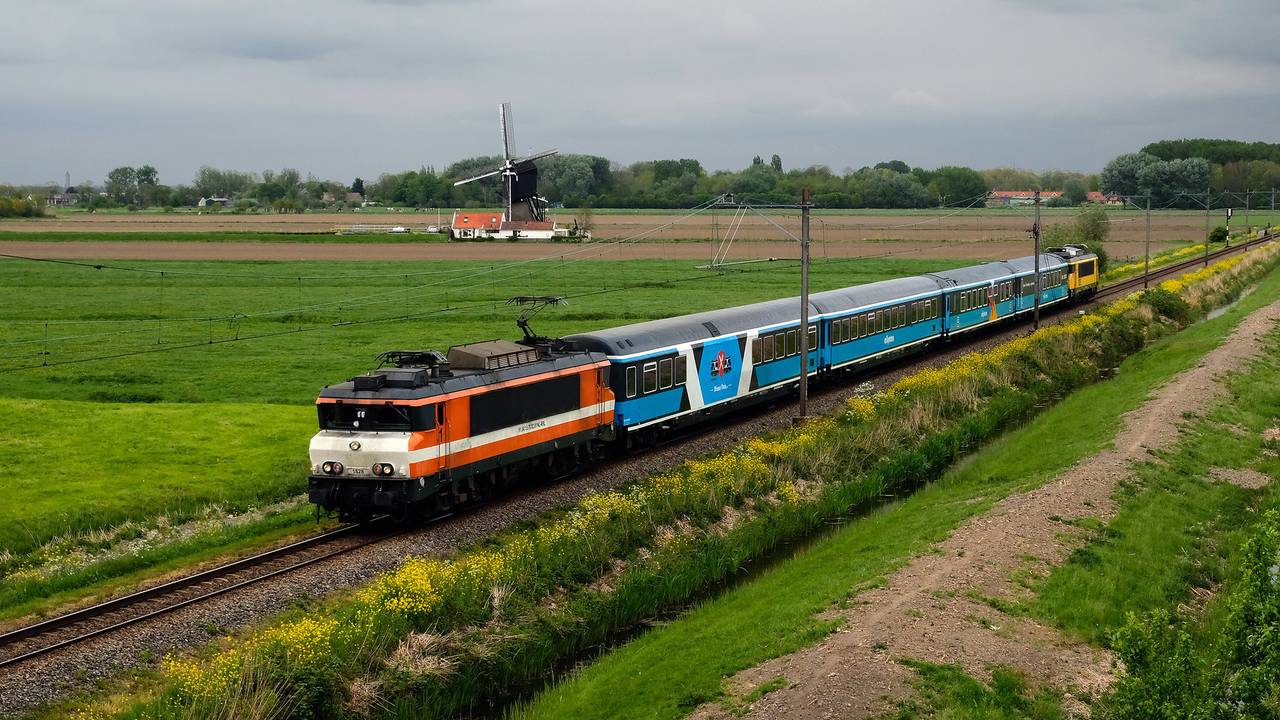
1093 226
357 186
122 185
776 163
884 188
212 182
1075 191
957 185
147 175
1121 175
757 160
1011 179
895 165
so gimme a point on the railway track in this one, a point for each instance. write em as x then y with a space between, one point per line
78 626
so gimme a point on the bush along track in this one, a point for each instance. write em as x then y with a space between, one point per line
440 637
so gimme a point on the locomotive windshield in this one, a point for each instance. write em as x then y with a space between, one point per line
373 418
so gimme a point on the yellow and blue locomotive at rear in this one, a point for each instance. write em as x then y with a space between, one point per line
435 430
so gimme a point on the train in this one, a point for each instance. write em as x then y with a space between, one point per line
430 431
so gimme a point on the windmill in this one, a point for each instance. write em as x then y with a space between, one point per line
519 174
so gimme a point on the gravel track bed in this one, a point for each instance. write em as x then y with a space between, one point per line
79 667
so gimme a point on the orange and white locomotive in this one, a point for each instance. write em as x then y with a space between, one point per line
431 432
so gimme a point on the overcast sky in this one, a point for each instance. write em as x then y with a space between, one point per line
341 88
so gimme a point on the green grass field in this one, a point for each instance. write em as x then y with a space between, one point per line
139 416
319 322
668 670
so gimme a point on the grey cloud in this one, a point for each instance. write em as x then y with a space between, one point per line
344 89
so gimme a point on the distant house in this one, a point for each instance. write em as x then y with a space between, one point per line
489 225
206 202
1006 198
473 225
70 196
1100 198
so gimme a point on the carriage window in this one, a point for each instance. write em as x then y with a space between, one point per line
791 343
755 349
902 315
650 377
631 381
664 374
681 372
768 348
848 329
813 337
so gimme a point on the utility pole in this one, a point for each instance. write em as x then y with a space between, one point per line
1207 202
1035 233
1247 193
1146 266
805 204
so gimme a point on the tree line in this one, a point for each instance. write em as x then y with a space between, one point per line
576 180
1180 173
1175 173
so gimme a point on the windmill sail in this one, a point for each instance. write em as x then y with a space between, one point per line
519 175
508 130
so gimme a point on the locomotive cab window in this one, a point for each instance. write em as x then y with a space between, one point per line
376 418
631 381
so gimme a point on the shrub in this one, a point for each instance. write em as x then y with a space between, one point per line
1218 234
1168 304
20 207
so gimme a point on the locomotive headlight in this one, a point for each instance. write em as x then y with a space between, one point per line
384 469
332 468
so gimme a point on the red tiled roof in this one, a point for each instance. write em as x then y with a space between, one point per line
479 221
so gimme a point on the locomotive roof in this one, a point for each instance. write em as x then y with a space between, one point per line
460 379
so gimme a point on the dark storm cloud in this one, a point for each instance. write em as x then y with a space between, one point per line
343 89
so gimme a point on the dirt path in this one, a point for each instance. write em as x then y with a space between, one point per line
955 249
940 607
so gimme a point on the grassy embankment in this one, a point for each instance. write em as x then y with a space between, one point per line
107 457
478 626
1179 529
665 671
